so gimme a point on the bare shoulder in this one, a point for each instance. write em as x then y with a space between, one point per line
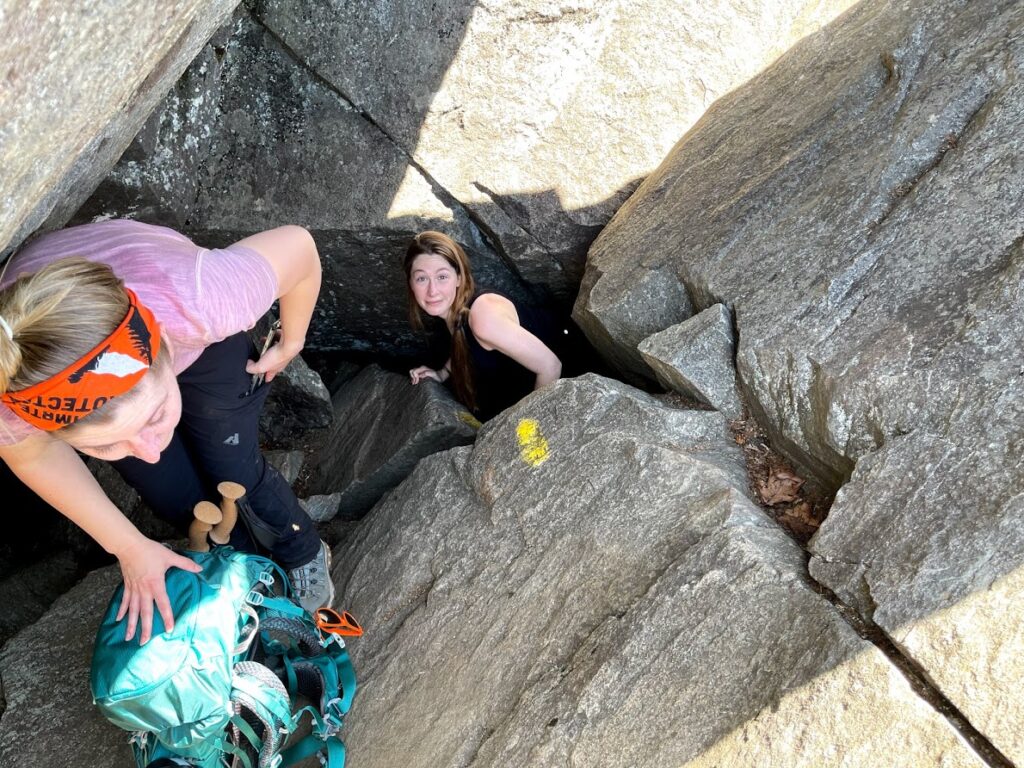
491 317
490 307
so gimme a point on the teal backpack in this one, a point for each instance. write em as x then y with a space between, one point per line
231 683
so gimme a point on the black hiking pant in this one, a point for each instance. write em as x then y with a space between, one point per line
217 439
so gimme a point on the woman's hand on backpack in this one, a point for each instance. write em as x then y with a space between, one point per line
144 566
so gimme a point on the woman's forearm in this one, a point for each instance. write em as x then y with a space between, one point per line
551 371
292 254
297 304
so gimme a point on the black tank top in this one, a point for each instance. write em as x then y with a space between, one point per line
498 379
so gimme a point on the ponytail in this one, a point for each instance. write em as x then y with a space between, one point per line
55 316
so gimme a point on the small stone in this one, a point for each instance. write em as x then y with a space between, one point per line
696 358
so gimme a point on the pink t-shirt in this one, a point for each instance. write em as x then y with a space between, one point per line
198 295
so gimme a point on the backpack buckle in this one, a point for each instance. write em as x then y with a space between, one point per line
139 739
333 716
326 638
266 578
254 598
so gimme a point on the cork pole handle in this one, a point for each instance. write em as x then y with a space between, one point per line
206 516
230 493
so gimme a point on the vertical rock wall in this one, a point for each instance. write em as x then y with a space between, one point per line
517 128
540 117
79 80
859 208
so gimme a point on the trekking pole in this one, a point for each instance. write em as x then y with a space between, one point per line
230 493
207 515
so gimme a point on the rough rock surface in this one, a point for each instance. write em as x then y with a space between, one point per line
588 586
26 595
383 425
539 116
50 718
927 539
288 463
250 138
344 372
297 405
696 359
321 508
859 209
80 80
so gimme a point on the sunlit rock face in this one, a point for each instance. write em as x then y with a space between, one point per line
927 539
518 128
79 80
696 358
589 586
858 207
539 117
251 138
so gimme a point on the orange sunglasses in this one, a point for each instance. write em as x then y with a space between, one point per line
343 623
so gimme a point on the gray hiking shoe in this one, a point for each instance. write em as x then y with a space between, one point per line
311 583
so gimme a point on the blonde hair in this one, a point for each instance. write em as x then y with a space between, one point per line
55 316
439 244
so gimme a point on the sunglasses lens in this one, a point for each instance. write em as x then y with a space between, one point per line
343 623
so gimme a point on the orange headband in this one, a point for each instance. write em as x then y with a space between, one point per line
109 369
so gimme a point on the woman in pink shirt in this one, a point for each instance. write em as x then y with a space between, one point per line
126 341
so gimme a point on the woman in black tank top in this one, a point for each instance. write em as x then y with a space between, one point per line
500 350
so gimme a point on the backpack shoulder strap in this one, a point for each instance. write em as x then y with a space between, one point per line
262 714
313 744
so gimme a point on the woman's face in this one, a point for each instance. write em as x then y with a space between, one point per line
434 283
141 427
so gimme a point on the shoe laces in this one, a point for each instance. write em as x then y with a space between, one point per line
304 578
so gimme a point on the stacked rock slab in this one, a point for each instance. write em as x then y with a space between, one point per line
859 207
587 585
251 138
80 80
859 211
927 539
539 117
383 425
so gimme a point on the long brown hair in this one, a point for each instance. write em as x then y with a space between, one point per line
439 244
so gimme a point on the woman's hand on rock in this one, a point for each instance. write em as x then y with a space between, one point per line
423 373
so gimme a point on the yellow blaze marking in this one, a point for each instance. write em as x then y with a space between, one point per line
532 445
